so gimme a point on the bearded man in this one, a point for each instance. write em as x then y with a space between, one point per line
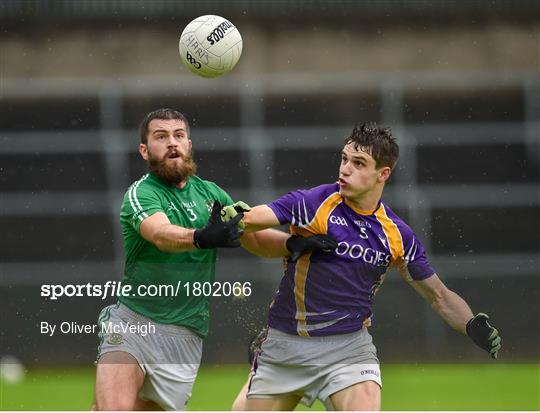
151 340
171 228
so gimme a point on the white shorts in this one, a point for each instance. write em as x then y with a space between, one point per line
313 367
169 355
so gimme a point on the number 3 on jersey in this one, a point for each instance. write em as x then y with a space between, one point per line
192 215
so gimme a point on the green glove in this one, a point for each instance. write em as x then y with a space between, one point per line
484 334
230 211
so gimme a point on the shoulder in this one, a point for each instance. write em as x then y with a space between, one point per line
143 190
404 229
141 184
310 199
318 194
307 207
203 184
324 191
142 198
210 188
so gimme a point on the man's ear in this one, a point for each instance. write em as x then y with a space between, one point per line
143 150
384 174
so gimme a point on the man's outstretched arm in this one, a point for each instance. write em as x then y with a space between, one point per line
270 243
158 230
259 218
451 307
168 237
457 313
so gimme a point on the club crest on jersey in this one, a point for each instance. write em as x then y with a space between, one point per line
209 204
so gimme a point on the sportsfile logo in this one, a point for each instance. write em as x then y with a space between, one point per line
117 289
338 220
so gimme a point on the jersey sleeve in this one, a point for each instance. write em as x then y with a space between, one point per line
416 264
139 203
295 208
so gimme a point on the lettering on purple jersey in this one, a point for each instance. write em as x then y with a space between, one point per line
332 293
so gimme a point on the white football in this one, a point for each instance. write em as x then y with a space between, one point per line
210 46
11 369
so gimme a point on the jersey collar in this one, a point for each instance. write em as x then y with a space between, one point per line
362 211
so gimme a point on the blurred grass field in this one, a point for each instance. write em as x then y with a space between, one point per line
406 387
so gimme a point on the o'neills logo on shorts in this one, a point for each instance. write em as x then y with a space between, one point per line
115 339
369 371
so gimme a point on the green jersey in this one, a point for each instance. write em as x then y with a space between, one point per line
146 266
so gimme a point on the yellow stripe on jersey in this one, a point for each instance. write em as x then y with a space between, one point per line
392 234
304 232
319 223
300 276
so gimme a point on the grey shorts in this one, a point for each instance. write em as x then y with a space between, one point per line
168 355
313 367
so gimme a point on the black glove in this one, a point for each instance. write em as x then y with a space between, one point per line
484 334
256 343
217 233
299 245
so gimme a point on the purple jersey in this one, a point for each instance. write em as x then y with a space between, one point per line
332 293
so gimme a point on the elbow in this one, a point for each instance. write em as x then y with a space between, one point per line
160 245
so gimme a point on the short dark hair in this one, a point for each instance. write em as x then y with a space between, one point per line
163 113
377 141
